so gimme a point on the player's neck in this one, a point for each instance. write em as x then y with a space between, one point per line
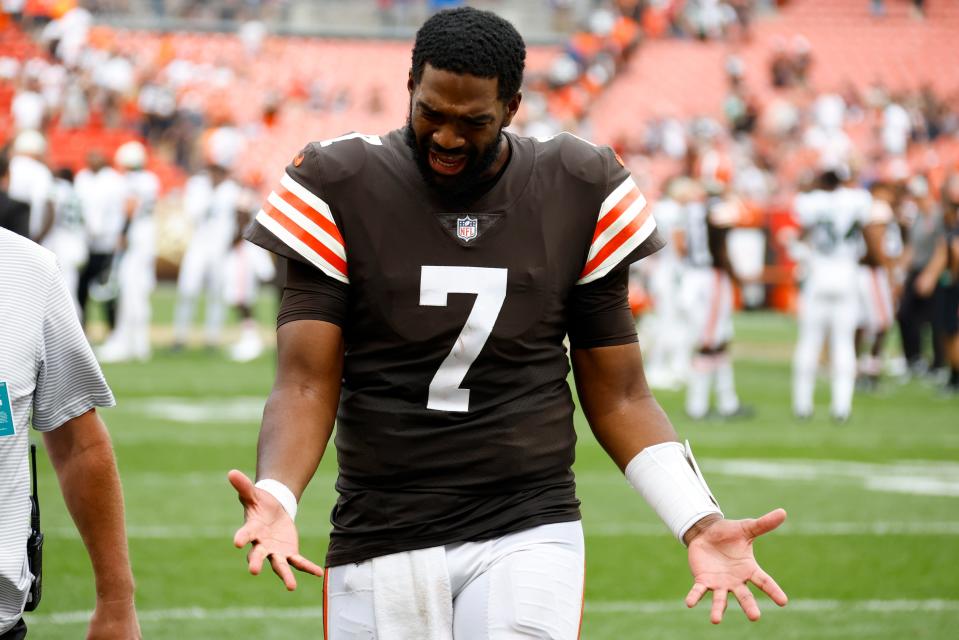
490 178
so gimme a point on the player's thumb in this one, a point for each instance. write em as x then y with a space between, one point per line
766 523
243 485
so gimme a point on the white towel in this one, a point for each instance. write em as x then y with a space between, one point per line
412 599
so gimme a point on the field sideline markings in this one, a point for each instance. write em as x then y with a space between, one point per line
592 607
608 530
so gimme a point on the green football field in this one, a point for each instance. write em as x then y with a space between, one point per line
870 549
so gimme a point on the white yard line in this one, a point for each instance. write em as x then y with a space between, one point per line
598 530
592 607
194 411
917 528
798 606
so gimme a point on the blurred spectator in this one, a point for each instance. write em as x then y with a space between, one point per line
790 64
67 36
135 263
919 9
31 181
802 60
709 19
115 79
157 103
14 214
28 108
246 266
896 127
67 239
211 200
949 311
252 33
101 192
925 233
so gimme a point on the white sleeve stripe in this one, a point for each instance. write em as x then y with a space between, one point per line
308 225
307 196
297 245
624 219
617 256
618 194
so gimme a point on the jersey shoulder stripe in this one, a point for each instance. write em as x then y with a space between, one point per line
305 223
623 224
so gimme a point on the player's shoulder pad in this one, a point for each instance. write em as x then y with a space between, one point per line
582 159
336 159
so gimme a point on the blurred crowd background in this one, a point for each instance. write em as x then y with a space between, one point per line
747 100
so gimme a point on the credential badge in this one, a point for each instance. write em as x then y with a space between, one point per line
466 228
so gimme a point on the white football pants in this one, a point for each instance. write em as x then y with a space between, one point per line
130 338
708 301
527 584
875 298
667 355
835 313
201 268
707 298
713 372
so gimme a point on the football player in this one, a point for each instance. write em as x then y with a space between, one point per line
950 280
707 298
883 242
211 200
245 267
667 357
433 274
135 259
831 218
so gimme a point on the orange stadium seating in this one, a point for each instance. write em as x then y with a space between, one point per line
848 45
288 66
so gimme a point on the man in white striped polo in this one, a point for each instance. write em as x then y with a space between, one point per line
49 377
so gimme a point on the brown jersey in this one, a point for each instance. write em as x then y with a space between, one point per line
455 419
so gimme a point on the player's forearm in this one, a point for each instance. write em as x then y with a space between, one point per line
873 235
87 473
626 430
937 262
954 253
621 411
297 424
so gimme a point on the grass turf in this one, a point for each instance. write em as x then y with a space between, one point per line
869 551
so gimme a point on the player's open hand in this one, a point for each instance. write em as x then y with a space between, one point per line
721 560
271 531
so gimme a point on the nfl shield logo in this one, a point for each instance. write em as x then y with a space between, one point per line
466 228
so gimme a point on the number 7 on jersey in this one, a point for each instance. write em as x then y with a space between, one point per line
489 285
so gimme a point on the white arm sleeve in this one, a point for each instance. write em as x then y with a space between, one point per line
668 478
281 492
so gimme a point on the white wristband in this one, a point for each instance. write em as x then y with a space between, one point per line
668 478
282 493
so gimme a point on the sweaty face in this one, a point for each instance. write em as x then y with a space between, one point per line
455 129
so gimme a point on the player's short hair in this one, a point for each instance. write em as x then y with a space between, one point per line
474 42
830 180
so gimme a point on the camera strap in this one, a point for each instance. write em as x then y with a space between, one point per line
35 495
35 541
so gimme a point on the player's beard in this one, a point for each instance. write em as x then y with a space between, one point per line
468 181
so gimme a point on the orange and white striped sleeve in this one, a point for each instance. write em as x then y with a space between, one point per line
304 222
624 225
